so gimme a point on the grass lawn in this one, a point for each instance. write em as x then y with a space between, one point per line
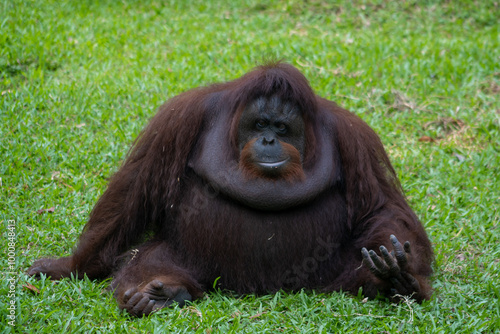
80 79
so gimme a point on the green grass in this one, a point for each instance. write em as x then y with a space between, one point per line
79 79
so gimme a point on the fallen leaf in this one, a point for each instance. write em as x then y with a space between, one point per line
51 210
426 139
460 157
31 288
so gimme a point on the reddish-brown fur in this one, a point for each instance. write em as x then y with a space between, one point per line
196 236
292 172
